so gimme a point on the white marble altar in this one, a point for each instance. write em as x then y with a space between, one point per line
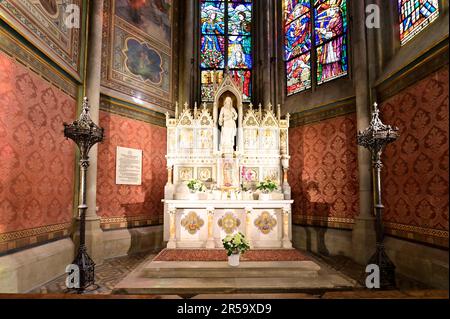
231 148
203 224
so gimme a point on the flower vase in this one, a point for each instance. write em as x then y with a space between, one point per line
233 260
193 196
263 196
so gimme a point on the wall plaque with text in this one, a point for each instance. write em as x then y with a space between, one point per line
128 166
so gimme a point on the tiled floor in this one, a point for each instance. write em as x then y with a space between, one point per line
114 270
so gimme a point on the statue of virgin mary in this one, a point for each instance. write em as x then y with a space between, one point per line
227 120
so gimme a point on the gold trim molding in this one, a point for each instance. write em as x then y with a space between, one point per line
431 61
134 112
37 64
33 236
420 234
113 223
325 112
330 222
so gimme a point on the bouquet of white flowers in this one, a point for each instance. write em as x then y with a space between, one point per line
196 186
236 244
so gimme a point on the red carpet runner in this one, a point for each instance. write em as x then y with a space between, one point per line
220 255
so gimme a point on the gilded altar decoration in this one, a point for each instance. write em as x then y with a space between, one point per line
186 174
229 223
192 223
265 223
204 174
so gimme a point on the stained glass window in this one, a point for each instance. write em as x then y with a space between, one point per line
415 15
226 42
314 36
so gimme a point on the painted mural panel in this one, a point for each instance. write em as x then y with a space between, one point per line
137 51
52 25
153 17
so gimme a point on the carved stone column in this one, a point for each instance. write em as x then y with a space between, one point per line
169 187
172 244
94 233
286 229
363 234
210 244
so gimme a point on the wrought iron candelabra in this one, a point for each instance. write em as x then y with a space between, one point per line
375 138
85 133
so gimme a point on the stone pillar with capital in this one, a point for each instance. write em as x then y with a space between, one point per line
210 244
248 224
286 214
172 244
169 187
94 233
363 234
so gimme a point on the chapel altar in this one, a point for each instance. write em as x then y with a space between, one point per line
230 149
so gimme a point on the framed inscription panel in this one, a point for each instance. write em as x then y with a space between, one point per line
128 166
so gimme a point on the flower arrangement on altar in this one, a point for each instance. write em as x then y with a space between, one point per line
267 186
195 186
235 246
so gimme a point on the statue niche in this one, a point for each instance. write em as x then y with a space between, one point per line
227 122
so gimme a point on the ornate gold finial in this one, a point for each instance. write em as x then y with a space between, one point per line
176 110
251 106
186 105
205 106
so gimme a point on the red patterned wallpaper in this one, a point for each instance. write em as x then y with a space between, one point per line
415 174
323 173
37 163
120 205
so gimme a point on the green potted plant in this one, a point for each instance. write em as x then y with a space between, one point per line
235 245
195 187
266 187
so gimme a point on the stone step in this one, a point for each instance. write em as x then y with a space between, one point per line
211 269
187 286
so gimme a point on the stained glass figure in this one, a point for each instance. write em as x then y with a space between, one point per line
226 41
212 16
239 52
329 44
332 60
294 9
299 74
212 51
415 15
240 18
244 80
298 37
331 20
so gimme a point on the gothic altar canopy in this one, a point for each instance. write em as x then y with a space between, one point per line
230 151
